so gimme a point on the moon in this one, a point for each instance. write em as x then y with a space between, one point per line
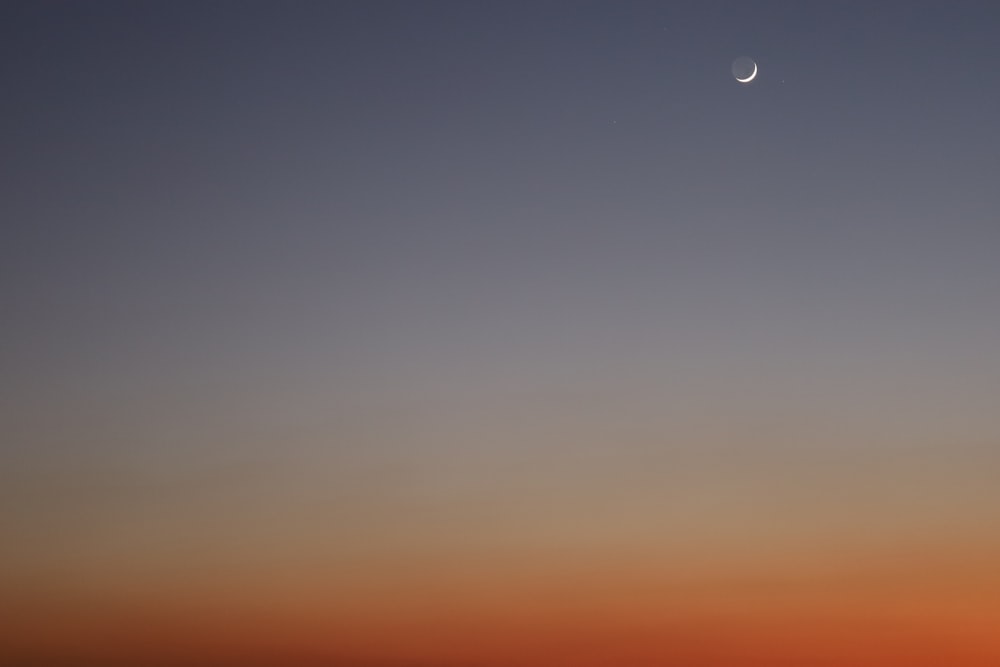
751 77
744 69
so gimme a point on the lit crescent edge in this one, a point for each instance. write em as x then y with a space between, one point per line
751 77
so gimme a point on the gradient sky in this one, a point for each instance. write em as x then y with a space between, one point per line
499 334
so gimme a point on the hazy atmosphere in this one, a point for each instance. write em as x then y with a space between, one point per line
499 334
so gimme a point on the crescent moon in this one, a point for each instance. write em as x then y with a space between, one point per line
749 78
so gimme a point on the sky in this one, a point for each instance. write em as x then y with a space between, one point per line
499 334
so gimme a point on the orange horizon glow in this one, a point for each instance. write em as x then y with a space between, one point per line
900 613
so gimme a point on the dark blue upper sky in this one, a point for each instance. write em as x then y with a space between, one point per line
203 199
